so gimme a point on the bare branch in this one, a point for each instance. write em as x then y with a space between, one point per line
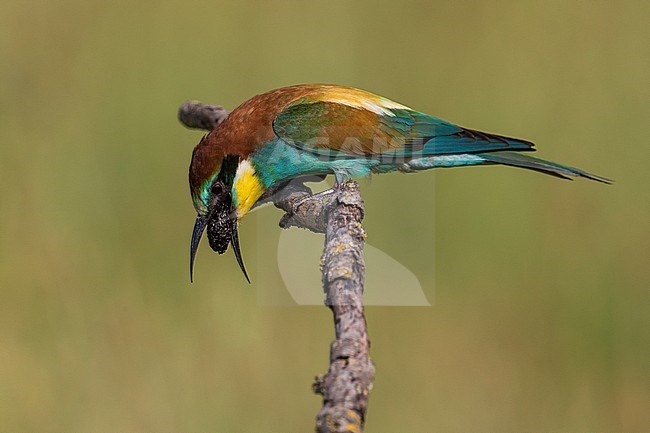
197 115
303 209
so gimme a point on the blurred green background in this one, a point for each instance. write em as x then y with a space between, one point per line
540 321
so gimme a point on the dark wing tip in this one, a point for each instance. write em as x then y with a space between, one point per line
597 178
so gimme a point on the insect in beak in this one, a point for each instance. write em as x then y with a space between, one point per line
221 225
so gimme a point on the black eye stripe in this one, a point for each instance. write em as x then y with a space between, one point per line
228 170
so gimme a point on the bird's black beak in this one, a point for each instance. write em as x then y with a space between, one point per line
199 227
234 239
222 230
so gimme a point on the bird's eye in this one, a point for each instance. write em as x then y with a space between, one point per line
217 188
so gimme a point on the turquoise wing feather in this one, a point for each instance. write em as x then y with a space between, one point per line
337 123
339 130
430 136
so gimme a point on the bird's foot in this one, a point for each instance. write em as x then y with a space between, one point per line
340 177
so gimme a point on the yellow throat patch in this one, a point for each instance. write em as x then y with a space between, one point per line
246 188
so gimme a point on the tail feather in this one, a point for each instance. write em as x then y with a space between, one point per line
530 162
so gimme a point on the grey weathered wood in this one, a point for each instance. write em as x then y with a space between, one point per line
338 213
347 383
197 115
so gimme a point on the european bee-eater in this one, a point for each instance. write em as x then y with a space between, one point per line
319 129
